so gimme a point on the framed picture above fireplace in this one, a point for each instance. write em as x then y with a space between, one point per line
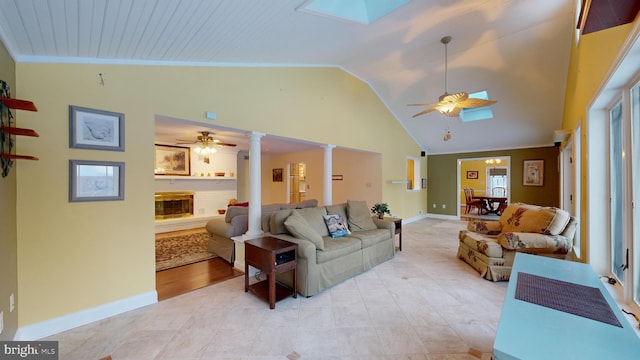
172 160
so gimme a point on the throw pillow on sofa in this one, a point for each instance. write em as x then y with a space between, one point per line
359 217
336 225
300 228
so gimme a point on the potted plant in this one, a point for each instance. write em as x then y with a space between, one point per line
380 209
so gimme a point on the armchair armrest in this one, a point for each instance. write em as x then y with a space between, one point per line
557 244
492 227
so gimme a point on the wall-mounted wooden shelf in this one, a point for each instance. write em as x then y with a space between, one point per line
18 104
18 157
7 131
19 131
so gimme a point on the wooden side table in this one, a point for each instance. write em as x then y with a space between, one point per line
398 223
272 256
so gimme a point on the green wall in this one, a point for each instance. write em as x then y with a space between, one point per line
443 183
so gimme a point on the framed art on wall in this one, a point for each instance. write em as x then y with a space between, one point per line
95 180
472 174
172 160
95 129
533 173
277 175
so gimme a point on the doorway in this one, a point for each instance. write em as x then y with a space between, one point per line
486 176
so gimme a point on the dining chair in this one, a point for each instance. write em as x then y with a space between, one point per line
471 202
499 191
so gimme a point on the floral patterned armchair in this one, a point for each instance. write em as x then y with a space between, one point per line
490 246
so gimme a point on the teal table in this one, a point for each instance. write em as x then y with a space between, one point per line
530 331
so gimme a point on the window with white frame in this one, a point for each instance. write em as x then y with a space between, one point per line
635 169
611 223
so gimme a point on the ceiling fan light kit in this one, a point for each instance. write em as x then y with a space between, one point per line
206 143
451 104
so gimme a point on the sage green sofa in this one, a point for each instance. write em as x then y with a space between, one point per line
236 223
323 260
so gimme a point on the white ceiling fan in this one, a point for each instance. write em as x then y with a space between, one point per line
452 104
206 143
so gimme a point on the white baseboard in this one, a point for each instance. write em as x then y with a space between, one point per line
66 322
443 217
415 218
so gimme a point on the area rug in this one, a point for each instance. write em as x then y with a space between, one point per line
182 247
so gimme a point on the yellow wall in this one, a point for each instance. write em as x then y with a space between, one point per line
590 63
360 172
8 244
75 256
478 185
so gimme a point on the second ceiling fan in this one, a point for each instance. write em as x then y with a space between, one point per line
206 138
452 104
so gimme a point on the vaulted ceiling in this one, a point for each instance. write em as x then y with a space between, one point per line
516 50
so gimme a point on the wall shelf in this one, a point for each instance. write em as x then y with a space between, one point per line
7 130
170 177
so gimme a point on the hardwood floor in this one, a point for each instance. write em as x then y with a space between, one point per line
182 279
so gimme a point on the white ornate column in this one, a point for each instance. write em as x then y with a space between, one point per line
255 201
255 186
328 172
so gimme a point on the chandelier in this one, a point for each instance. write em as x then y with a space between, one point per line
204 149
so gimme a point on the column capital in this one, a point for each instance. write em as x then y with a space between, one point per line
256 135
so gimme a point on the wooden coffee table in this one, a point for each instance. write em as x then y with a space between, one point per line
272 256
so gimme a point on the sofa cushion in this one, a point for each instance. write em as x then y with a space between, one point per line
481 243
371 237
336 225
315 218
276 221
311 203
300 228
518 217
339 209
234 210
337 248
359 216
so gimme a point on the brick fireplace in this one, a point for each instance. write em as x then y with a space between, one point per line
174 204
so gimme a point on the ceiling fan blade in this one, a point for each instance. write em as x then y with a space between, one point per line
429 104
471 103
424 112
454 113
180 141
224 144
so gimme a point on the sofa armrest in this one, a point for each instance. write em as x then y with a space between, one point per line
237 226
491 227
556 244
385 224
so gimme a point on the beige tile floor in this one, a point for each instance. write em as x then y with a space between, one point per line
423 304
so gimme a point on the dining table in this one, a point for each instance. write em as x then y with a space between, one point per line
492 204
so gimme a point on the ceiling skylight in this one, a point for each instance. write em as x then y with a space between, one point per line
481 113
361 11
